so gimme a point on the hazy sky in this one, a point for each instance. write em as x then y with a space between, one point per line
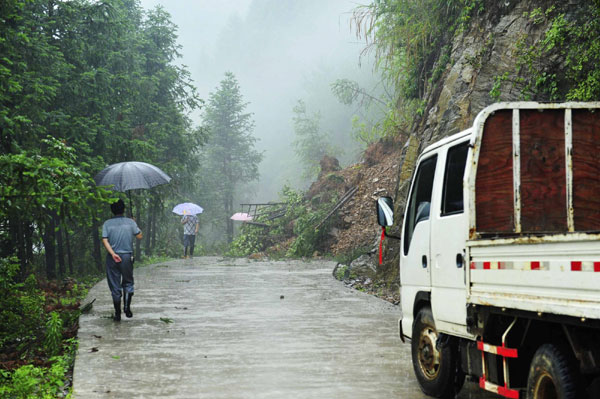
280 51
200 23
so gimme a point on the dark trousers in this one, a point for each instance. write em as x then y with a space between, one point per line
188 241
119 275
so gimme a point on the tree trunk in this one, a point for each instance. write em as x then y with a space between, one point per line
69 253
96 242
49 238
60 246
28 244
148 231
228 213
154 212
20 244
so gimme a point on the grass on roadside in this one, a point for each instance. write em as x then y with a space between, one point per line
38 325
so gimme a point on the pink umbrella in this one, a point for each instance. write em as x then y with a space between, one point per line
242 217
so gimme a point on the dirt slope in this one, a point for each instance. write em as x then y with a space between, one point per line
374 176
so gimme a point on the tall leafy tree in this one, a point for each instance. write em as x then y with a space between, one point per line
230 157
310 143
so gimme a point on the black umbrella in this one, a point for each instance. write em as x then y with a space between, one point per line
125 176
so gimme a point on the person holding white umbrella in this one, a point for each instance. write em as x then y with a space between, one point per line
191 225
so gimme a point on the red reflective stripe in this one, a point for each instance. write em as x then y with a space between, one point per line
508 393
535 265
482 382
486 265
576 266
500 390
597 266
473 265
507 352
498 350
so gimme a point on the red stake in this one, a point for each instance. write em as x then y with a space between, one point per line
381 245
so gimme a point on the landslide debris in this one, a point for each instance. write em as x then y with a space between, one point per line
353 232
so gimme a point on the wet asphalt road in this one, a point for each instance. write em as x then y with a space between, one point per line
235 328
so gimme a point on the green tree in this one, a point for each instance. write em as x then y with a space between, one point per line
230 157
37 186
377 115
101 77
310 143
411 39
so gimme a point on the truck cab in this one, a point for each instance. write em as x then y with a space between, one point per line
432 247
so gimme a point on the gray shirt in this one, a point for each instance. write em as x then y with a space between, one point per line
120 231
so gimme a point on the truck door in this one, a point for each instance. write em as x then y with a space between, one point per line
448 237
415 262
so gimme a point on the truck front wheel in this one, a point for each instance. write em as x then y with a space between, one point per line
551 375
435 365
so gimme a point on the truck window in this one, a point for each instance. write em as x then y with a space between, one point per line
420 198
452 194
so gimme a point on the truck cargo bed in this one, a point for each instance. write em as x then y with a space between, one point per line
557 274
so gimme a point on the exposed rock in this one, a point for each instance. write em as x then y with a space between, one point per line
376 152
329 182
363 266
481 54
328 164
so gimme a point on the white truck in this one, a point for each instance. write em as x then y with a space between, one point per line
500 254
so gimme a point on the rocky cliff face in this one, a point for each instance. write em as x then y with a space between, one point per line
484 59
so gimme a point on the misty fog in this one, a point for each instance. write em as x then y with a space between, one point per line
280 51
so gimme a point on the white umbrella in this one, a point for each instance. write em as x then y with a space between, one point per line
187 208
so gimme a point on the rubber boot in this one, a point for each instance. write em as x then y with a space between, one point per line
117 316
127 304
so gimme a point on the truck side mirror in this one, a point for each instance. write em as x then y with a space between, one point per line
385 211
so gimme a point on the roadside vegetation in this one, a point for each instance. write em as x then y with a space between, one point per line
39 320
297 233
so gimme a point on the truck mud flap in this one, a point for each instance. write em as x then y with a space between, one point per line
400 332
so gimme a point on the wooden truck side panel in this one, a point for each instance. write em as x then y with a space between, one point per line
543 172
586 170
494 190
536 171
534 194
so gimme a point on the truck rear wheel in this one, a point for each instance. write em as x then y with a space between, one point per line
436 368
551 375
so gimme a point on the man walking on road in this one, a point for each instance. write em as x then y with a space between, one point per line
117 236
190 229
